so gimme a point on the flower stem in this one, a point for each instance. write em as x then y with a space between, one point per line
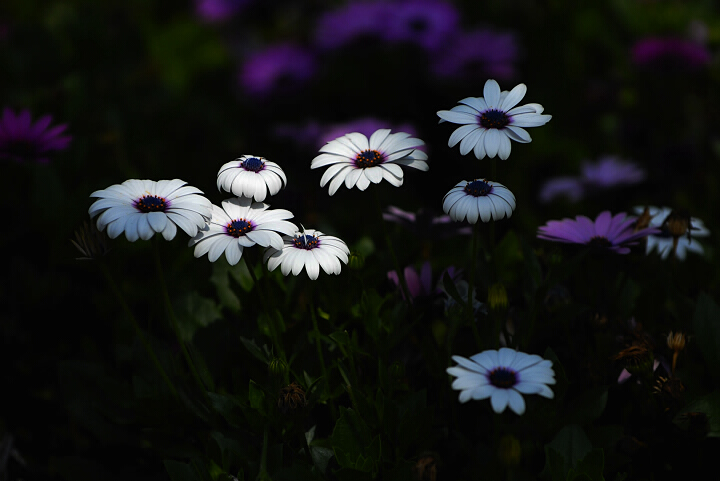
173 318
401 274
148 347
269 310
321 358
471 285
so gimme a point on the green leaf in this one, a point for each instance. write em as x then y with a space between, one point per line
241 274
342 339
451 289
353 443
220 278
571 444
589 467
195 311
180 471
588 406
256 397
255 350
706 324
228 407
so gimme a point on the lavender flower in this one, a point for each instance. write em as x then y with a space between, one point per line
21 139
420 283
609 232
670 53
340 27
218 10
278 68
427 23
480 53
607 172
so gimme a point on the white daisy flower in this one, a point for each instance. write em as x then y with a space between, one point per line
480 198
503 376
310 249
251 176
663 242
140 208
490 122
356 161
241 223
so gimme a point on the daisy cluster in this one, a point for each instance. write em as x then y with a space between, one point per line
142 208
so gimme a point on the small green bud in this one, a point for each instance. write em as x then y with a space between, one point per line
356 260
277 367
497 297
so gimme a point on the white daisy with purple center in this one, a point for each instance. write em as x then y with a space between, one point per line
251 176
479 199
503 376
308 249
142 208
490 122
241 223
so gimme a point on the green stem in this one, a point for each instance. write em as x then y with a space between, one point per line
471 285
173 318
321 358
148 347
401 273
263 456
269 310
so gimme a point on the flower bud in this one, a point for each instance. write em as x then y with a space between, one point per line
497 297
509 450
356 260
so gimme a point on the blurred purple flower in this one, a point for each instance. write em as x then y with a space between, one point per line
316 135
609 232
428 23
482 52
420 284
218 10
670 53
21 139
339 27
607 172
426 225
277 68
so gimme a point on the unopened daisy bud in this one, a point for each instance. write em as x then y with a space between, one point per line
277 368
509 450
91 243
676 342
356 261
497 297
291 398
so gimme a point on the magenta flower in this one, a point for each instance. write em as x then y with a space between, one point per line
609 232
21 139
278 68
479 53
355 20
420 283
670 53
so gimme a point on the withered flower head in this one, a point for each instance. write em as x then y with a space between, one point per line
670 391
678 223
291 398
676 341
426 468
91 243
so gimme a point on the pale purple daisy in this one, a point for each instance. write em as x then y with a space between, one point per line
308 249
22 140
609 232
479 53
251 176
503 376
280 68
238 224
420 284
354 20
490 122
141 208
428 23
355 160
670 53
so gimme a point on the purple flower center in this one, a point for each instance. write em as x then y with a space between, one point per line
600 241
369 158
503 377
253 163
494 119
478 188
151 203
306 242
238 227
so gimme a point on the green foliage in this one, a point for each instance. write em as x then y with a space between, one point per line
354 445
706 324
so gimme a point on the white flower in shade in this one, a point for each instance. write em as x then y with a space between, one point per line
663 242
251 176
356 161
238 224
503 376
490 122
479 199
309 249
140 208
